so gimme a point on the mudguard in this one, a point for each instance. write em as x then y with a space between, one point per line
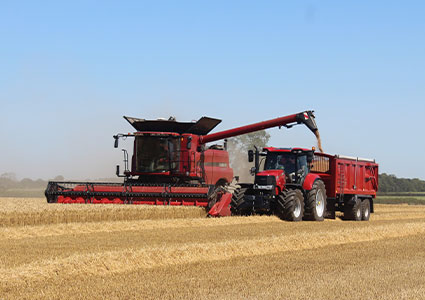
309 181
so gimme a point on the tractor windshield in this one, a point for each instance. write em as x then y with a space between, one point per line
289 162
156 154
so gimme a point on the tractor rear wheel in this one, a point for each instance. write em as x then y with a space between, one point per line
291 205
365 210
353 209
315 202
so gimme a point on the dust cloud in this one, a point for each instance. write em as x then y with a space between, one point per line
239 163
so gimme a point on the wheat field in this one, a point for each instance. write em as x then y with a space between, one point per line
53 251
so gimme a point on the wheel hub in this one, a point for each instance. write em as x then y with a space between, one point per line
358 213
320 204
297 209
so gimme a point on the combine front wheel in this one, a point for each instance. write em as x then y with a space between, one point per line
237 199
315 203
215 194
291 206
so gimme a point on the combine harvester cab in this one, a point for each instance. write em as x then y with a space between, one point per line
298 184
171 165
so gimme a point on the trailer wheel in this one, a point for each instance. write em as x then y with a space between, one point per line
291 206
353 209
237 200
365 209
315 202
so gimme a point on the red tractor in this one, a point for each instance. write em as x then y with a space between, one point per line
298 184
171 165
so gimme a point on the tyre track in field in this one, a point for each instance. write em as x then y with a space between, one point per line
129 259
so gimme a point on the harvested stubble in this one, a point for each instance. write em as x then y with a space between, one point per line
36 211
130 259
227 258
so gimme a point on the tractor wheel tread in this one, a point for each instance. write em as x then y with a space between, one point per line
237 199
287 203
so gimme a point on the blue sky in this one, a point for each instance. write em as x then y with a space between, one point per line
70 71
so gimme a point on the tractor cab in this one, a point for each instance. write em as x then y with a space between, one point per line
281 166
294 162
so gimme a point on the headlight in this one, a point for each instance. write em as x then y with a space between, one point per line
264 187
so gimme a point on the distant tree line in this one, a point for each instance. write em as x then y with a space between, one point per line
390 183
387 183
9 181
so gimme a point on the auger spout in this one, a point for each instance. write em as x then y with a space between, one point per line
306 117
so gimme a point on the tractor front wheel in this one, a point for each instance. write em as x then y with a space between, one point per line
291 205
315 202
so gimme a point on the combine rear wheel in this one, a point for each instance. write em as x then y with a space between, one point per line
291 205
315 202
365 210
353 209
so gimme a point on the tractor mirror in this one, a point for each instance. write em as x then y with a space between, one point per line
116 141
310 157
252 171
250 155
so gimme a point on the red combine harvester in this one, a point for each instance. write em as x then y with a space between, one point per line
298 184
171 165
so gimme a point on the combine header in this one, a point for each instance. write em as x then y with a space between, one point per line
171 165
